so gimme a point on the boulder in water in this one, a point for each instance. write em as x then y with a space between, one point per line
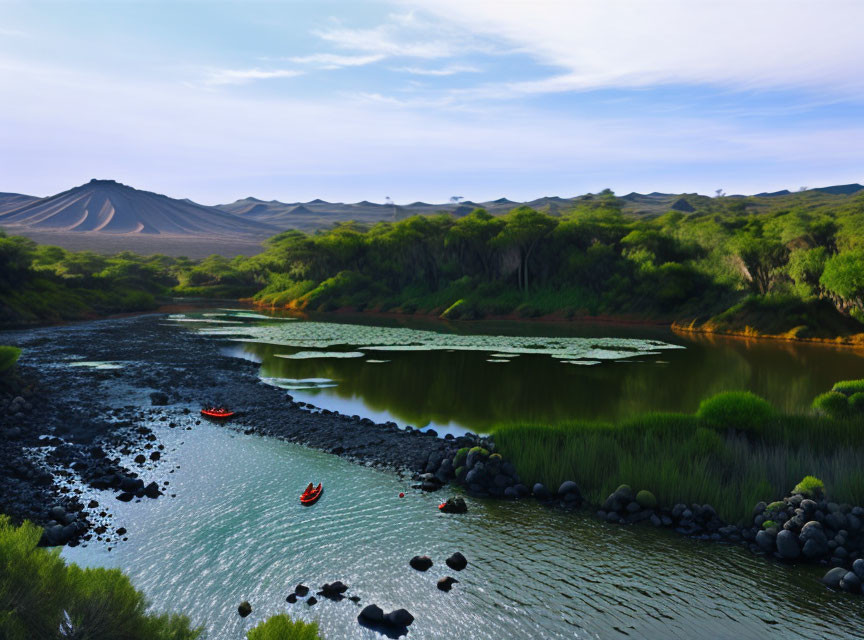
244 609
399 618
372 614
457 562
421 563
445 584
454 505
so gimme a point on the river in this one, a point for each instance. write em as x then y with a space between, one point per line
235 530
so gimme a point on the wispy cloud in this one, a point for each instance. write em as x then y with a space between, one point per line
443 71
407 35
337 61
622 44
241 76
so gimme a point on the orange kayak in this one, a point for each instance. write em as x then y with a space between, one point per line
217 413
311 494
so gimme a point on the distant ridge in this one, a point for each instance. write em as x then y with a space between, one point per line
108 207
840 189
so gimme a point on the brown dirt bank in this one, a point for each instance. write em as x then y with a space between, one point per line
855 341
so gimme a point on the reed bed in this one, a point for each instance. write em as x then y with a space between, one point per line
695 458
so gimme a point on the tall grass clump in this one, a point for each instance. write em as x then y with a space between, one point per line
43 597
740 410
832 403
8 357
281 627
848 387
691 459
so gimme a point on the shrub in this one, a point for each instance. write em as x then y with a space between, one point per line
856 402
281 627
740 410
810 486
848 387
646 499
768 524
774 506
43 597
832 403
459 458
480 450
8 357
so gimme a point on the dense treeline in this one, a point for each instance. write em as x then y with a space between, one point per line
801 264
776 264
45 283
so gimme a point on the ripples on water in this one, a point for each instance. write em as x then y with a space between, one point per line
237 532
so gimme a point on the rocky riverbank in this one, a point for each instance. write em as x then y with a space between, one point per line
89 391
802 527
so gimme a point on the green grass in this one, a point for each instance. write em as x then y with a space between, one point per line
281 627
8 357
739 410
849 387
810 486
40 594
832 403
684 458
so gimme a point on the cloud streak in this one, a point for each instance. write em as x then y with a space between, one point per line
449 70
242 76
337 61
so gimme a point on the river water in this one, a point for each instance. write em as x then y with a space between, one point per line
471 376
235 530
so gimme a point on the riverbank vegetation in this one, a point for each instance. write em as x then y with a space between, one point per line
735 451
43 283
41 596
788 265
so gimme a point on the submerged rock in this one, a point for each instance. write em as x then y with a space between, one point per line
833 577
445 584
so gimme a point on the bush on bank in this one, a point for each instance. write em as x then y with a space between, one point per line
681 458
8 357
41 596
281 627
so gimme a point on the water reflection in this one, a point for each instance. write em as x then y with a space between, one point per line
478 389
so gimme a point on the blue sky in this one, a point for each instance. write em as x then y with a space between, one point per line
426 99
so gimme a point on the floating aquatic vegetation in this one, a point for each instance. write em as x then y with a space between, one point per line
96 364
300 384
305 355
326 335
183 318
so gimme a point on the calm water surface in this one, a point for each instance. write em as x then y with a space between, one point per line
236 532
457 381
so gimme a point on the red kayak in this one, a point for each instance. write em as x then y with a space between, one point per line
217 413
311 494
